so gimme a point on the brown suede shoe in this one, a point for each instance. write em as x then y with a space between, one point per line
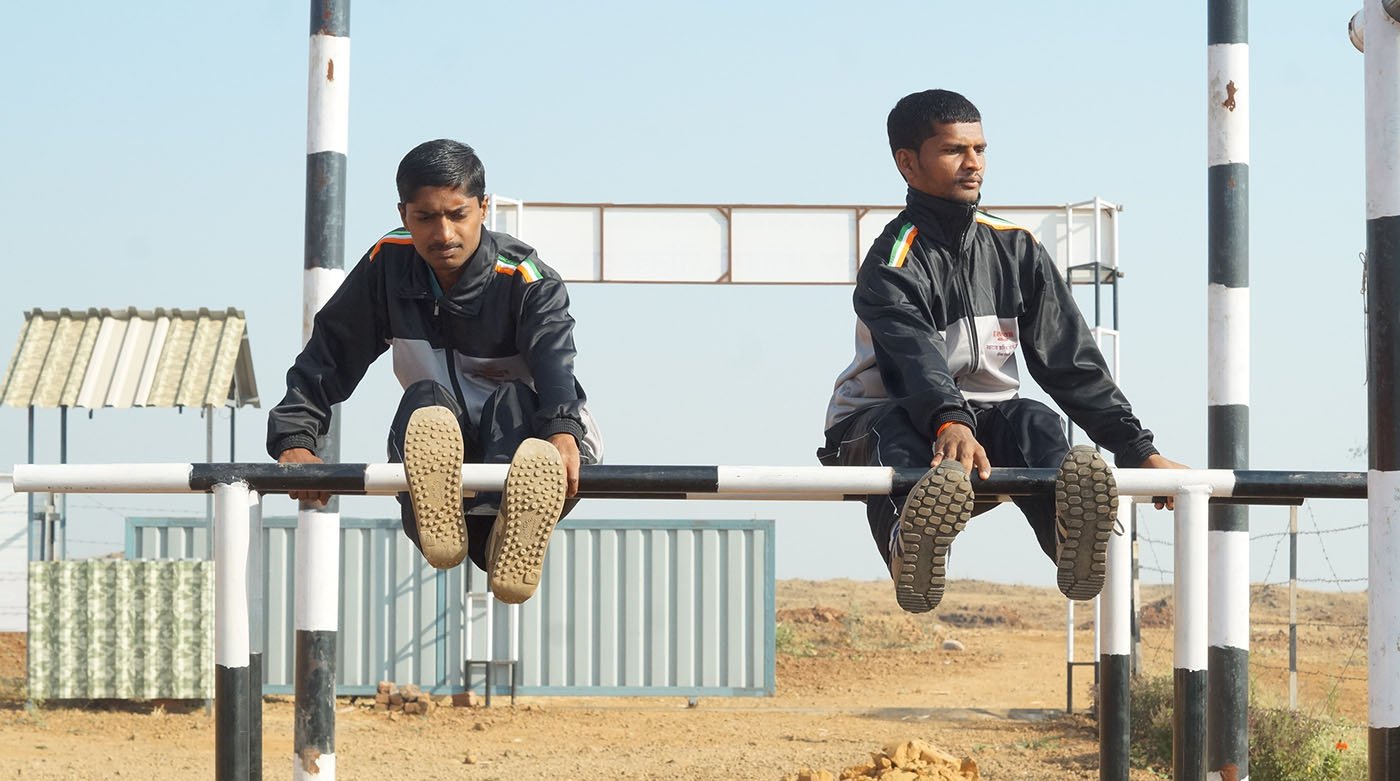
432 461
530 507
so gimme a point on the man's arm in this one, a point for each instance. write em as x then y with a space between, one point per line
1065 360
545 336
347 335
893 303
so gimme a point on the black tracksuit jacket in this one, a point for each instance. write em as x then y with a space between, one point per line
946 299
506 319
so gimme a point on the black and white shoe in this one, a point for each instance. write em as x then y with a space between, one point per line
937 509
1086 511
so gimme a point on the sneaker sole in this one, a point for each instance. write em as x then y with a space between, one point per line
530 508
1086 507
936 510
432 461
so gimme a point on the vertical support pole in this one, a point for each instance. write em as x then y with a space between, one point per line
232 729
60 534
257 635
1382 67
232 435
1069 656
1189 653
1227 132
209 458
36 537
1136 597
1293 608
318 528
1114 655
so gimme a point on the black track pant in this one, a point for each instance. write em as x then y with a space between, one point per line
1015 433
503 424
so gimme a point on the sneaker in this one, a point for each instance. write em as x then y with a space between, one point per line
1086 510
936 510
432 462
530 507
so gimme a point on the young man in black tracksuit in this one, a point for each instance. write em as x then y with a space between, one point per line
483 346
945 300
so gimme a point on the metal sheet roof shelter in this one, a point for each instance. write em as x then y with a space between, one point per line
120 358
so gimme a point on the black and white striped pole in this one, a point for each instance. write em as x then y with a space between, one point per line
1189 655
318 528
232 692
1227 67
1115 655
1382 66
257 636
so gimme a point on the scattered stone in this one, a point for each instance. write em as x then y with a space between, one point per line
953 645
465 700
470 759
479 727
912 760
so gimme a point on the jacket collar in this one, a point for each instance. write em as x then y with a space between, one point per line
940 219
466 293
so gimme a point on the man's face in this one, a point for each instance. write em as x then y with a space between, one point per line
949 164
445 224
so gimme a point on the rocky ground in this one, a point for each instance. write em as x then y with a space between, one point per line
864 691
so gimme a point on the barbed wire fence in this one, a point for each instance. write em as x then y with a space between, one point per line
1312 606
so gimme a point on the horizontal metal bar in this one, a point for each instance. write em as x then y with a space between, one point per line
664 481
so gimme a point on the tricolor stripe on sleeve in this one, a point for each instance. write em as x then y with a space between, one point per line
399 236
527 268
902 243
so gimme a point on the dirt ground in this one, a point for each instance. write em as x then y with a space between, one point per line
853 673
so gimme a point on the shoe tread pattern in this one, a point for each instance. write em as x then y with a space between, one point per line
1086 508
937 509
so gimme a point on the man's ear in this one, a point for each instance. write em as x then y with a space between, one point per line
485 202
906 161
403 215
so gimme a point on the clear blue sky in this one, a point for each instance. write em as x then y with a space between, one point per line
154 155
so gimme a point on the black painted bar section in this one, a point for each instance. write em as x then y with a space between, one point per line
1114 717
1383 353
325 211
339 478
1227 22
314 728
1384 751
255 716
231 725
330 17
1280 484
1227 426
1229 687
1189 725
1227 224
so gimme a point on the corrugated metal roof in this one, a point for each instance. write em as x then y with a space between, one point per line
131 358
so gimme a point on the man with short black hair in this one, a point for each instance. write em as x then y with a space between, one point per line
483 346
944 300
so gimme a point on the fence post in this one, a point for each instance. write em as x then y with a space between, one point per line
1114 657
232 716
1189 590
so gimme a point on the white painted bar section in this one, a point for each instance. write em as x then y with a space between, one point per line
325 765
1382 62
1227 115
1229 590
1189 578
1227 359
231 575
328 125
103 478
318 285
1383 586
1117 635
317 540
802 479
